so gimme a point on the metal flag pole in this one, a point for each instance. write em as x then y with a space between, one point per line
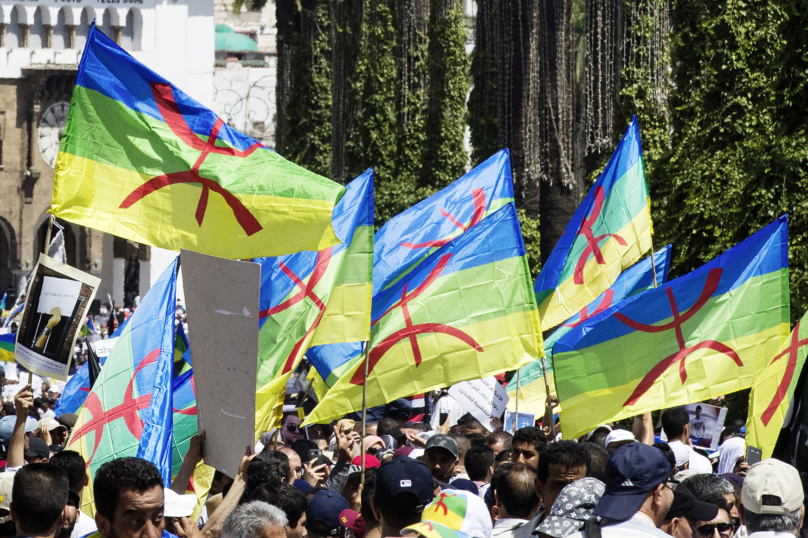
364 412
516 412
45 249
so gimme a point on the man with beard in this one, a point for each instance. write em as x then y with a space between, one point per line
79 524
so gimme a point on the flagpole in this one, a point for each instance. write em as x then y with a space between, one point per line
653 263
48 232
516 413
364 411
546 383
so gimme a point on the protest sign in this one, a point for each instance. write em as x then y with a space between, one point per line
706 423
525 420
483 398
222 301
58 299
103 347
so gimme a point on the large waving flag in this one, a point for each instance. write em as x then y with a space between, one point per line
7 343
413 234
607 234
129 409
141 160
466 312
772 391
707 333
315 298
640 277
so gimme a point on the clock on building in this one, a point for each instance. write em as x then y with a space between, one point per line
51 127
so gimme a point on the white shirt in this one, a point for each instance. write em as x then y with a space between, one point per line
84 525
639 525
447 404
504 527
698 463
771 534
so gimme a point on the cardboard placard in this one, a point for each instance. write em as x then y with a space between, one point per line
483 398
706 423
222 301
56 305
525 420
104 347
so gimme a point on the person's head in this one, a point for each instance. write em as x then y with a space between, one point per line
38 500
290 429
267 467
598 435
402 489
698 411
571 515
560 464
598 456
480 463
37 450
475 439
473 426
676 424
527 444
499 441
456 513
58 431
715 490
295 463
685 512
463 446
719 527
220 481
129 499
322 514
772 498
669 454
290 500
72 463
440 457
372 428
515 491
617 438
367 493
638 479
255 520
385 424
728 432
501 459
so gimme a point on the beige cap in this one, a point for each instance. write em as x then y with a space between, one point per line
6 483
772 487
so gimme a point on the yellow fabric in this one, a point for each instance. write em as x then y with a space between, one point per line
532 397
346 315
269 405
169 221
203 479
317 383
585 411
569 298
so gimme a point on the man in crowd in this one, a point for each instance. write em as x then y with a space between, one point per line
73 464
715 490
267 467
290 500
39 501
402 490
773 500
322 514
294 462
516 499
255 520
527 445
638 495
440 457
685 512
676 425
480 467
499 441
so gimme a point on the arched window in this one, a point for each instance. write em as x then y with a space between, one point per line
38 36
108 21
130 35
14 30
83 28
61 39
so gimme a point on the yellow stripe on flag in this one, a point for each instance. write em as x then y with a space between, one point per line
533 396
346 316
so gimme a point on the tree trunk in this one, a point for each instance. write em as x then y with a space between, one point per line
287 14
483 123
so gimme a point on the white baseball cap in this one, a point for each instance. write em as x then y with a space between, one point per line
617 436
772 487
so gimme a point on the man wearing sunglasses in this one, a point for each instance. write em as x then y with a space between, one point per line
639 493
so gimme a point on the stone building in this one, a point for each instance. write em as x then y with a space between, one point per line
41 43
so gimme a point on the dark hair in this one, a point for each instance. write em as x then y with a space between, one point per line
367 492
674 421
478 460
419 426
8 409
710 488
473 424
468 417
463 445
302 447
384 425
598 457
500 437
667 451
39 496
729 431
288 498
73 464
476 439
505 455
117 475
531 435
566 453
516 490
406 511
266 468
599 437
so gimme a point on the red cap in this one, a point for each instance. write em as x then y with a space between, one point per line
371 462
353 520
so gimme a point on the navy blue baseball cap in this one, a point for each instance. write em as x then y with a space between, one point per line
322 513
631 472
399 476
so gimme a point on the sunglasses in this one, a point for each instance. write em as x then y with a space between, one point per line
671 483
291 428
708 531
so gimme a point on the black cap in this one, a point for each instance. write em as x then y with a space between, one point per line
442 441
685 504
403 475
37 448
631 472
322 513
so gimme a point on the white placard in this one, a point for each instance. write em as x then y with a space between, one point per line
706 423
483 398
525 420
61 293
103 348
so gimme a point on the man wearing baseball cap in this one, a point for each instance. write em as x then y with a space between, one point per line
322 514
402 489
440 455
639 492
772 500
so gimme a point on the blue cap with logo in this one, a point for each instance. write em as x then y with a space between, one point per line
322 513
631 472
403 475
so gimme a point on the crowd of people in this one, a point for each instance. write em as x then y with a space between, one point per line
430 480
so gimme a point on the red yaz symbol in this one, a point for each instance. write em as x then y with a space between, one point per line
171 114
792 351
605 303
478 197
710 286
410 332
127 410
592 242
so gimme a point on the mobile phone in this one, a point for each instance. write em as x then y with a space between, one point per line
443 417
316 454
753 455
